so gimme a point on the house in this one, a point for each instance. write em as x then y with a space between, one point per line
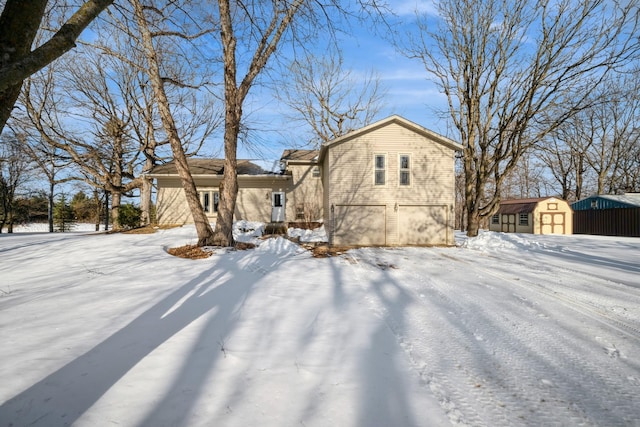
258 191
546 215
386 184
609 215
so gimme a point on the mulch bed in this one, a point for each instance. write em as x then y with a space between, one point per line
190 252
324 250
198 252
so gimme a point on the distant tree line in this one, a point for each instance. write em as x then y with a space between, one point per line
67 212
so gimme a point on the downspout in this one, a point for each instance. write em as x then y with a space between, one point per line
331 228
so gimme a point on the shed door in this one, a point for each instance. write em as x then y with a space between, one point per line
277 206
552 223
508 223
422 225
359 225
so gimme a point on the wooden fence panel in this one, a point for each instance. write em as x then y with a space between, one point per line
608 222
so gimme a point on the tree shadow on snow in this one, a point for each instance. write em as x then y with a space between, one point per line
65 395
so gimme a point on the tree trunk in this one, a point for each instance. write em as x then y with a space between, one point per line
10 221
203 227
98 210
145 201
50 204
106 210
473 222
116 198
19 24
229 186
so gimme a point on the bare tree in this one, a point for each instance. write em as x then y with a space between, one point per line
502 64
184 75
256 30
106 88
328 98
597 149
611 126
104 154
14 168
561 162
157 82
52 162
19 24
266 23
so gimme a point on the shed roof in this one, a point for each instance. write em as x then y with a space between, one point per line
201 166
515 206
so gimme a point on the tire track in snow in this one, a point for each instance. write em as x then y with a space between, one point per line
587 308
571 352
501 378
452 402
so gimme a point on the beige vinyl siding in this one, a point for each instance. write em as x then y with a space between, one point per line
423 225
253 202
364 224
172 207
306 191
351 169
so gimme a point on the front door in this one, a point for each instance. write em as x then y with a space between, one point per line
277 206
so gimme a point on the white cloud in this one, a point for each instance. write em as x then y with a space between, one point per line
411 7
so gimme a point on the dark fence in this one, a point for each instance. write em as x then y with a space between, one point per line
608 222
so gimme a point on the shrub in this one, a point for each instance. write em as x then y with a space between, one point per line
129 216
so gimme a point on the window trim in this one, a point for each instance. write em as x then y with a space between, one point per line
211 207
523 219
402 170
495 219
377 170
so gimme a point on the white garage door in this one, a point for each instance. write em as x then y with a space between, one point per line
422 225
359 225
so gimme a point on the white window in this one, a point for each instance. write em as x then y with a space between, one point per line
495 219
209 201
405 169
380 170
316 172
524 219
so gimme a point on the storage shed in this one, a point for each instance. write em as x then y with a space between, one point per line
608 215
546 215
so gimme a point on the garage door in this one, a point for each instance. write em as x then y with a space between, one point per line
359 225
552 223
422 225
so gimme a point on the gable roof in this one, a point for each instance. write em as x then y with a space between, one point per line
201 166
449 143
515 206
294 154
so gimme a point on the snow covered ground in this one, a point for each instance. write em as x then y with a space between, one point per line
503 330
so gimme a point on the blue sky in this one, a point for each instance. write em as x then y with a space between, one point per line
409 93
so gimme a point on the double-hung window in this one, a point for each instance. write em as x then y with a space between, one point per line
380 169
209 200
405 170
